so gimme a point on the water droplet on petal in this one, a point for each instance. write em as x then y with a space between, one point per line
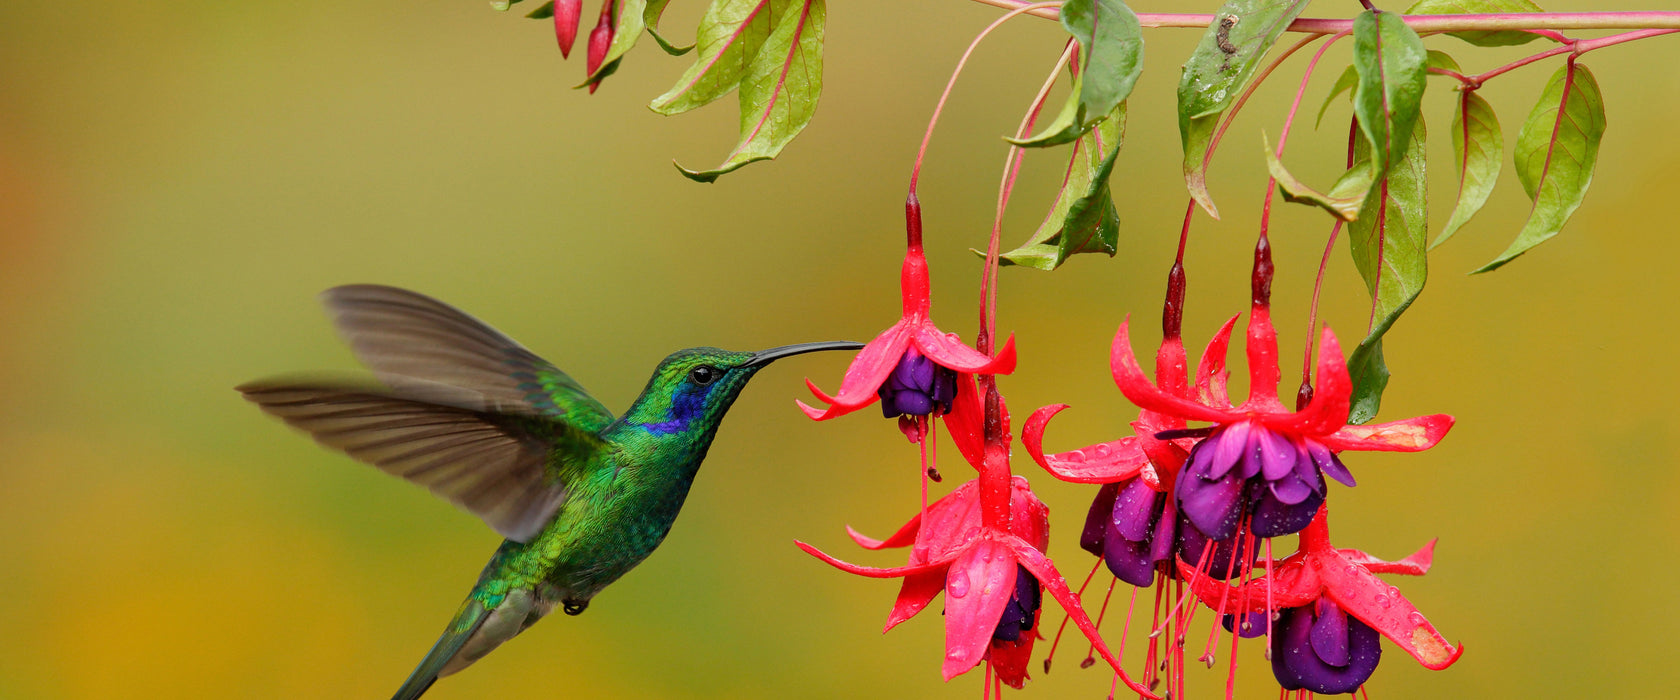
1102 451
957 587
1382 601
1076 456
1417 618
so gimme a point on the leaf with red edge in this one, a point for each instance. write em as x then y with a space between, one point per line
1477 147
1223 62
1131 380
1388 243
1375 603
1045 571
1555 154
1388 100
729 36
779 89
978 585
1410 435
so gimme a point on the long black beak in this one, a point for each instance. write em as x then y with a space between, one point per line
764 357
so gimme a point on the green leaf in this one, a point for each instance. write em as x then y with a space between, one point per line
625 34
544 12
1344 198
1387 243
1345 82
650 17
1224 61
729 38
1390 59
502 5
1063 129
1085 180
1442 60
1474 7
1111 58
1477 147
779 89
1556 151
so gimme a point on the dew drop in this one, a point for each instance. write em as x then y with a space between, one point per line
1076 456
955 655
1102 451
1417 618
1382 601
957 587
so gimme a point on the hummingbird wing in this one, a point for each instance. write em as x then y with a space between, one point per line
408 338
509 470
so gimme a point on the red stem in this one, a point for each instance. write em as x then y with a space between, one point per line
1423 24
1574 47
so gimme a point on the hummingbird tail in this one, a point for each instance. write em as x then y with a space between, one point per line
467 620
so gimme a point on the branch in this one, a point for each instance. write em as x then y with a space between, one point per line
1422 24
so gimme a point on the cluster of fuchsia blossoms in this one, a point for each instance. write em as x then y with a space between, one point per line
1184 510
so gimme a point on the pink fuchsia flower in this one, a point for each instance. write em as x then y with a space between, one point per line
991 579
1259 459
913 367
567 14
1331 607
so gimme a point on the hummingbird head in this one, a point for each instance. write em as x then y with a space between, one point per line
692 389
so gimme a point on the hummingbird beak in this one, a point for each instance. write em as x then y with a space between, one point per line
764 357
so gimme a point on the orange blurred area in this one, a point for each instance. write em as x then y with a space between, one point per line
178 180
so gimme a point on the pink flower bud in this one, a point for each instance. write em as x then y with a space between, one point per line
566 16
600 39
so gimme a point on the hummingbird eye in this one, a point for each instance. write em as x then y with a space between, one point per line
704 374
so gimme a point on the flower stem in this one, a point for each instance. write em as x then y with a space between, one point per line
1420 23
1575 47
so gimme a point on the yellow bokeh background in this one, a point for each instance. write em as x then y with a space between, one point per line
179 179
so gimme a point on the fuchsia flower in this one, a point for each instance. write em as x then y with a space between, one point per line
1331 607
914 368
991 578
1259 459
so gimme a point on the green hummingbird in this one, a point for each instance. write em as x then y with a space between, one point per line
463 410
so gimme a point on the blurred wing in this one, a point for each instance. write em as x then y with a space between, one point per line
408 338
494 466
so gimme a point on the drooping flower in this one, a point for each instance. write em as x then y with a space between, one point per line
914 367
1134 524
992 579
1331 607
1259 458
600 39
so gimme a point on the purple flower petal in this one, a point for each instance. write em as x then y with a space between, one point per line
1329 634
1165 538
1022 610
1253 624
1129 561
1134 509
1297 665
1274 518
1277 454
1290 489
1229 446
1212 506
1330 464
1097 520
1226 559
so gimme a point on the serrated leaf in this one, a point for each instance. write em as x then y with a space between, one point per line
1387 243
650 17
1224 61
1083 178
1556 151
729 37
625 34
1474 7
1477 147
1111 58
1344 83
544 12
1344 198
1388 100
779 89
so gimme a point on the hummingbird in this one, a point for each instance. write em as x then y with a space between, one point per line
461 409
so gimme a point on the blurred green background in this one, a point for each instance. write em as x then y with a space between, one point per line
179 179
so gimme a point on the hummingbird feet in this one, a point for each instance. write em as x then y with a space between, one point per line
574 607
